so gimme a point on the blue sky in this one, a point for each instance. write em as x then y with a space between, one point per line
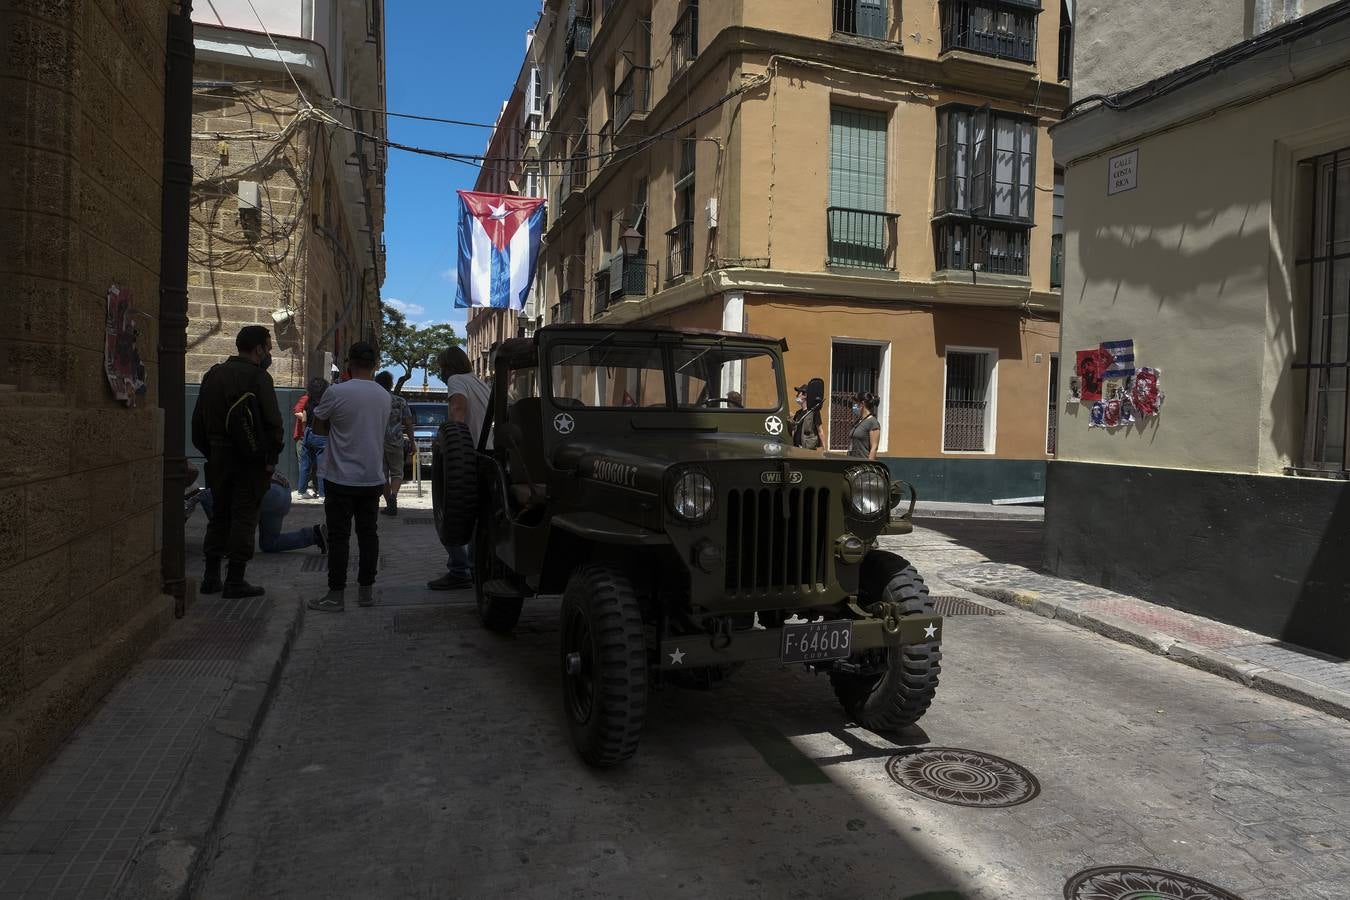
455 60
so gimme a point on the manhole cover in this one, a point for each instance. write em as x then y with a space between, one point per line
1140 883
419 520
963 777
960 606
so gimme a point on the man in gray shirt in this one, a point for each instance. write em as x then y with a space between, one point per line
354 416
468 402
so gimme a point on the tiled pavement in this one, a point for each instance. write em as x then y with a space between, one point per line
1244 655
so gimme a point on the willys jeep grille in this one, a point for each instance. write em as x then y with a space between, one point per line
777 540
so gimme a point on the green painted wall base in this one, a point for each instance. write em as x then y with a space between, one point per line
289 464
970 480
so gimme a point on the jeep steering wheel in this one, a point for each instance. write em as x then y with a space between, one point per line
711 401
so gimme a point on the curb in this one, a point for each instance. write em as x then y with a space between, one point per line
172 856
975 515
1216 662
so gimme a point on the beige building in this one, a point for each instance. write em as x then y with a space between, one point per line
511 167
288 191
1208 221
871 180
83 93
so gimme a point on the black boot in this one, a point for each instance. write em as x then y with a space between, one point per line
210 577
236 588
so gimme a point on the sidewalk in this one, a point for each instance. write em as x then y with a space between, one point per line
1294 673
934 509
130 803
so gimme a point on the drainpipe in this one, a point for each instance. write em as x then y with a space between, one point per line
173 321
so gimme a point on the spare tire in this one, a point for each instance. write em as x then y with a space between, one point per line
454 484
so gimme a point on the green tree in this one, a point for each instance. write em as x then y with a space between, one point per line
411 347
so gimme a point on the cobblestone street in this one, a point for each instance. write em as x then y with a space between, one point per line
408 752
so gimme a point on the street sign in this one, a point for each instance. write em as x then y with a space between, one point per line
1122 172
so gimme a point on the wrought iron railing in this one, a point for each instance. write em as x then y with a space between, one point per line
575 172
1057 260
601 294
578 36
605 143
964 425
861 238
569 305
680 255
1003 29
684 39
633 96
865 18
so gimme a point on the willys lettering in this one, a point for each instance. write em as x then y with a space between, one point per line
614 472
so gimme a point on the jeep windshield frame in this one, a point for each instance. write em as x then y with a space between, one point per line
673 373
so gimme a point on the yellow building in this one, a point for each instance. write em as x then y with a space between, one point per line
1209 222
871 180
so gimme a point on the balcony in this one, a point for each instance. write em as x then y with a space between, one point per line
578 37
684 40
606 144
625 276
860 238
632 99
1056 260
680 255
1002 28
572 181
568 307
864 18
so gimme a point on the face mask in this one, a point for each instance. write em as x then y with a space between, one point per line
801 401
266 360
856 409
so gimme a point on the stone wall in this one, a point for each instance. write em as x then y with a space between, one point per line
243 266
82 87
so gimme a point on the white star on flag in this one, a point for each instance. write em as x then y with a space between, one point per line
498 212
930 631
677 658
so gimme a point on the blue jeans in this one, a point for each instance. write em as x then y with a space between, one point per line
313 445
276 503
460 561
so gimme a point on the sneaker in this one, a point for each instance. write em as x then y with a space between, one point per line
389 511
448 582
210 584
365 595
240 590
330 602
321 538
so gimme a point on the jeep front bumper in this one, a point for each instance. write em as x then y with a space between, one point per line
695 650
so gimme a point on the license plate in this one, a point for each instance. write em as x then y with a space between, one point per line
816 641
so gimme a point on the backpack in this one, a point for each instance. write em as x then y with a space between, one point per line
243 427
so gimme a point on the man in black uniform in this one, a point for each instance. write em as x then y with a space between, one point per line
237 482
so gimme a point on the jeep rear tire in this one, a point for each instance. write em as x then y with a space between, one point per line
604 665
454 484
898 696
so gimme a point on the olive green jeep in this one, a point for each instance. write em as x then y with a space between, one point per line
647 475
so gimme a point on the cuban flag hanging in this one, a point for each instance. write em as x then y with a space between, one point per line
498 249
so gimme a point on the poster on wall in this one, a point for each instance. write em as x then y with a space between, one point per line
1090 367
1146 394
121 359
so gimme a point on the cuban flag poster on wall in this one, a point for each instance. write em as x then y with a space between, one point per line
498 249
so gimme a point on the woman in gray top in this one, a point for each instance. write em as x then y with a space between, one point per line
865 437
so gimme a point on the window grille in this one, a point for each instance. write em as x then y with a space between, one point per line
965 421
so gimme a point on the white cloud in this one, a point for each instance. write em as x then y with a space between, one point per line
411 310
451 274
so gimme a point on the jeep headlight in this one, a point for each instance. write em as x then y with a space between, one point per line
868 494
691 496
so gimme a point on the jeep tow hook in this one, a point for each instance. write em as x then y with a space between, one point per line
573 665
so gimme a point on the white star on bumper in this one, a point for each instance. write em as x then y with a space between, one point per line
930 631
677 658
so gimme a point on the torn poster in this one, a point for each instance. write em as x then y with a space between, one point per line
1145 393
1114 389
121 359
1126 412
1122 359
1097 416
1075 389
1111 414
1090 366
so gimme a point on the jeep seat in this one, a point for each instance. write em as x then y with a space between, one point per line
525 460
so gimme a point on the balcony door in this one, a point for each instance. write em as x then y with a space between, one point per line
858 222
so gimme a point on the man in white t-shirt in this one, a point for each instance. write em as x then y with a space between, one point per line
354 415
468 402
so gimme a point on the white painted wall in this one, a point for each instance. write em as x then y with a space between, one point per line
281 17
1196 266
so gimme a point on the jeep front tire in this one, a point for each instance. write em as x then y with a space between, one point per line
454 485
901 693
604 664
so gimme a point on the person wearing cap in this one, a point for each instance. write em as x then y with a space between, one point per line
353 415
807 428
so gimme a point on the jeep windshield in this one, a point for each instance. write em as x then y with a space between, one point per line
691 375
